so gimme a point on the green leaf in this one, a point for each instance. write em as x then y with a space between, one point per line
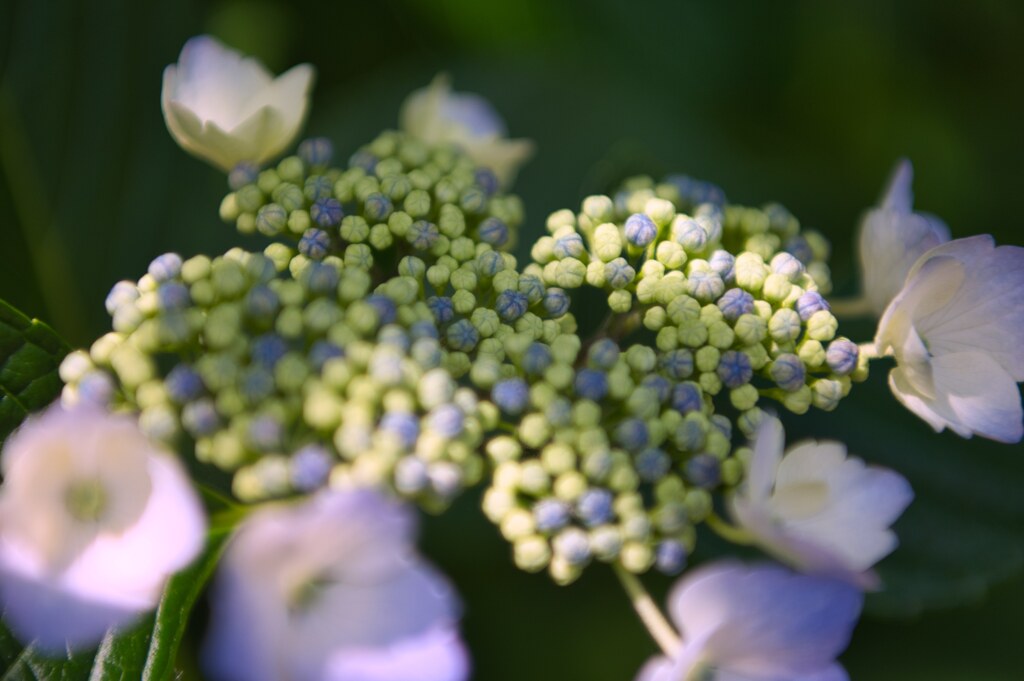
146 652
30 354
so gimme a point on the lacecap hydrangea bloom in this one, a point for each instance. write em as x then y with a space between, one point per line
757 623
331 589
227 108
955 330
817 508
94 518
892 237
438 116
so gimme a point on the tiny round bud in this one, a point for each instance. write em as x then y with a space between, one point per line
640 230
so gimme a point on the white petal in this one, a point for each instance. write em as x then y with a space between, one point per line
987 311
933 285
437 655
768 444
661 668
216 82
899 194
765 620
892 238
973 395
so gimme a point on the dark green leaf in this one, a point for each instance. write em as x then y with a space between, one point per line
30 354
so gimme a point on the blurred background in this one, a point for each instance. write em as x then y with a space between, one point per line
805 102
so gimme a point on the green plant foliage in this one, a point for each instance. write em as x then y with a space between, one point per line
30 354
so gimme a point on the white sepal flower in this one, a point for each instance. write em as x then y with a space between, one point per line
757 623
955 330
227 108
93 520
893 237
818 509
437 115
332 590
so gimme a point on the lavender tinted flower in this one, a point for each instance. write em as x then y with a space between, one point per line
595 507
640 230
315 244
842 355
511 395
591 384
809 303
734 368
326 212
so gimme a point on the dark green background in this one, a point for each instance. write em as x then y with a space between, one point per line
805 102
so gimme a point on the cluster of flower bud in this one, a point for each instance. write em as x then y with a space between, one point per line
291 373
615 459
397 196
730 308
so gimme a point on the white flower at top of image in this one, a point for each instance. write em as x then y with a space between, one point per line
892 237
331 589
816 508
956 332
437 115
227 109
93 520
757 623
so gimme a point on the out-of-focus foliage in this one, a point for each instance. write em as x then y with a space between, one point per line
803 102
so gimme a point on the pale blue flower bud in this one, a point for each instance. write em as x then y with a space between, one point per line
842 355
365 160
787 370
809 303
678 364
422 235
594 507
556 302
689 233
271 219
788 266
661 386
569 246
687 397
310 467
318 187
165 267
798 247
734 303
591 384
536 359
618 273
316 151
173 295
734 368
603 354
723 262
326 212
705 285
632 434
493 231
652 464
411 475
442 308
200 418
268 349
242 174
490 263
486 180
572 546
184 384
403 425
322 352
96 388
640 230
670 557
511 305
386 309
123 293
704 470
447 420
321 279
550 515
315 244
511 396
265 433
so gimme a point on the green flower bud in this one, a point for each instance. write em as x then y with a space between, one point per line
744 397
750 271
710 383
776 288
826 393
706 359
799 401
620 301
299 221
532 554
693 333
750 329
720 335
822 326
784 326
811 353
606 243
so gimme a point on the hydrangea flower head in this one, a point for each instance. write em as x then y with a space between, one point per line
892 237
955 331
94 519
228 109
437 116
817 508
757 623
332 589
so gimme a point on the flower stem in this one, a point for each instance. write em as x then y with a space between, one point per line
854 308
728 531
651 616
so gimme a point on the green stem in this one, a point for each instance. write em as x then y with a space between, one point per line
651 616
728 531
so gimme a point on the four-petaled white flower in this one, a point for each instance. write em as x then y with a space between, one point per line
227 108
818 509
93 520
955 330
332 589
757 623
437 115
893 237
